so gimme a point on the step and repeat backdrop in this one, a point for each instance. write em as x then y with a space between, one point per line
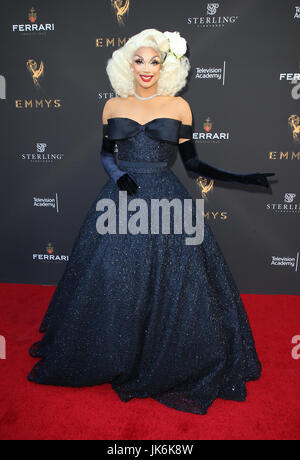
244 91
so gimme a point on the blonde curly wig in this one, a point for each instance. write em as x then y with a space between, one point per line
173 73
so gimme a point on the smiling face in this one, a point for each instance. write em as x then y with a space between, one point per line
146 64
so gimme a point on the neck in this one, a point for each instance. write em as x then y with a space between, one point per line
146 92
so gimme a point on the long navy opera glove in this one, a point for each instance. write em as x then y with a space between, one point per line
192 163
121 178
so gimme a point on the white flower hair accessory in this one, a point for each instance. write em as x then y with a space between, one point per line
177 46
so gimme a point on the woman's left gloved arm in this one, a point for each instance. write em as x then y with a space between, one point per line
192 163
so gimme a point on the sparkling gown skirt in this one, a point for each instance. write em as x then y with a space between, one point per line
149 314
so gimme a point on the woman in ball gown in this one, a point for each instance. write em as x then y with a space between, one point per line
145 311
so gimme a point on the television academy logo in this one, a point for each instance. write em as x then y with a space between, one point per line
41 156
210 136
211 73
46 202
287 206
292 262
32 28
211 19
50 256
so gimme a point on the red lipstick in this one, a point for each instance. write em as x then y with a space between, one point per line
146 78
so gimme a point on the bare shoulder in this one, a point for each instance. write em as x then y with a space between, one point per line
184 110
109 106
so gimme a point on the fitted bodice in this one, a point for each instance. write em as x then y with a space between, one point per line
156 140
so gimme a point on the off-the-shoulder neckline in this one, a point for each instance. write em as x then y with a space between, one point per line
150 121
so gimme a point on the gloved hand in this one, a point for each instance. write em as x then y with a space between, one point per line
192 163
256 179
126 182
121 178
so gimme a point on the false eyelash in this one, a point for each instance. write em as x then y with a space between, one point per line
139 60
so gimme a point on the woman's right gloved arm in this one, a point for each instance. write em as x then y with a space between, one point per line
121 178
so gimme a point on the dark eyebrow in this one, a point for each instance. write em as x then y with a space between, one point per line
143 58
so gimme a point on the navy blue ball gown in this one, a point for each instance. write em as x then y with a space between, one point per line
147 313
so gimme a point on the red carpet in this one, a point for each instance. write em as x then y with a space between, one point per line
29 411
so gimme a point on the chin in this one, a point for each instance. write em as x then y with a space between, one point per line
145 84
